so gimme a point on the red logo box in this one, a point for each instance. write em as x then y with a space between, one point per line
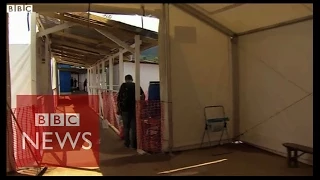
65 136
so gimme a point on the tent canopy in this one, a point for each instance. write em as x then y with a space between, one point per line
231 19
241 19
76 39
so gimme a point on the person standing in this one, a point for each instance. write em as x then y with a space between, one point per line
71 83
75 81
85 85
127 109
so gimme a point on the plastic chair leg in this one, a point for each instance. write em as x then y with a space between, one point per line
209 138
221 136
204 132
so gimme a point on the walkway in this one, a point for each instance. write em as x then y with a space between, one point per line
116 160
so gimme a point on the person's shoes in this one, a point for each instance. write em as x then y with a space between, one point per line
126 145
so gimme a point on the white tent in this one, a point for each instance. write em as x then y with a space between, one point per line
254 59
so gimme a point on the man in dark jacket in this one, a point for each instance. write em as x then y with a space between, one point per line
127 110
85 85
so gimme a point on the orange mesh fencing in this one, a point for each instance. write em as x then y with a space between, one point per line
94 103
110 111
149 118
29 152
149 121
24 120
23 124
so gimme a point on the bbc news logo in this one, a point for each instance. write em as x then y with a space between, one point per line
57 119
19 8
62 120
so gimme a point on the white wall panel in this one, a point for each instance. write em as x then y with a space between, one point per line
200 75
276 75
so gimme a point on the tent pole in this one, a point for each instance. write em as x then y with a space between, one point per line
235 86
10 163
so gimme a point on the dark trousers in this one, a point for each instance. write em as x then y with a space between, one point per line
129 127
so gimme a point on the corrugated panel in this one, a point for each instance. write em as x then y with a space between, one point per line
252 16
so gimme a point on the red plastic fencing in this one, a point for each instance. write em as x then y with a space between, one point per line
94 103
149 121
23 126
24 123
149 118
110 111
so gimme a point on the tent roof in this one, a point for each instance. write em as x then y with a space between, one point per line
107 8
83 45
231 19
247 18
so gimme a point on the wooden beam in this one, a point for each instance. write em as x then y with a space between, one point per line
68 53
72 49
71 63
72 60
119 25
71 53
84 39
56 28
116 40
78 46
84 22
76 58
41 26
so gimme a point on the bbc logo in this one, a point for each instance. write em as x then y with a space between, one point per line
19 8
57 119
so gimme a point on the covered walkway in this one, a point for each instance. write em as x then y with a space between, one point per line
231 55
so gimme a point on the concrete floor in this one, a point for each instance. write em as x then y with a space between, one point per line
241 160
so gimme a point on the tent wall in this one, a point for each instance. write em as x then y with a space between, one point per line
200 68
44 85
148 72
20 70
276 82
82 78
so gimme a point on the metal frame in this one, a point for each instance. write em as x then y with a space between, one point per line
195 12
294 21
235 85
226 8
204 18
165 77
207 131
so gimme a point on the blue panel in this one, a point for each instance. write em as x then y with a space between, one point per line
154 90
63 66
65 81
